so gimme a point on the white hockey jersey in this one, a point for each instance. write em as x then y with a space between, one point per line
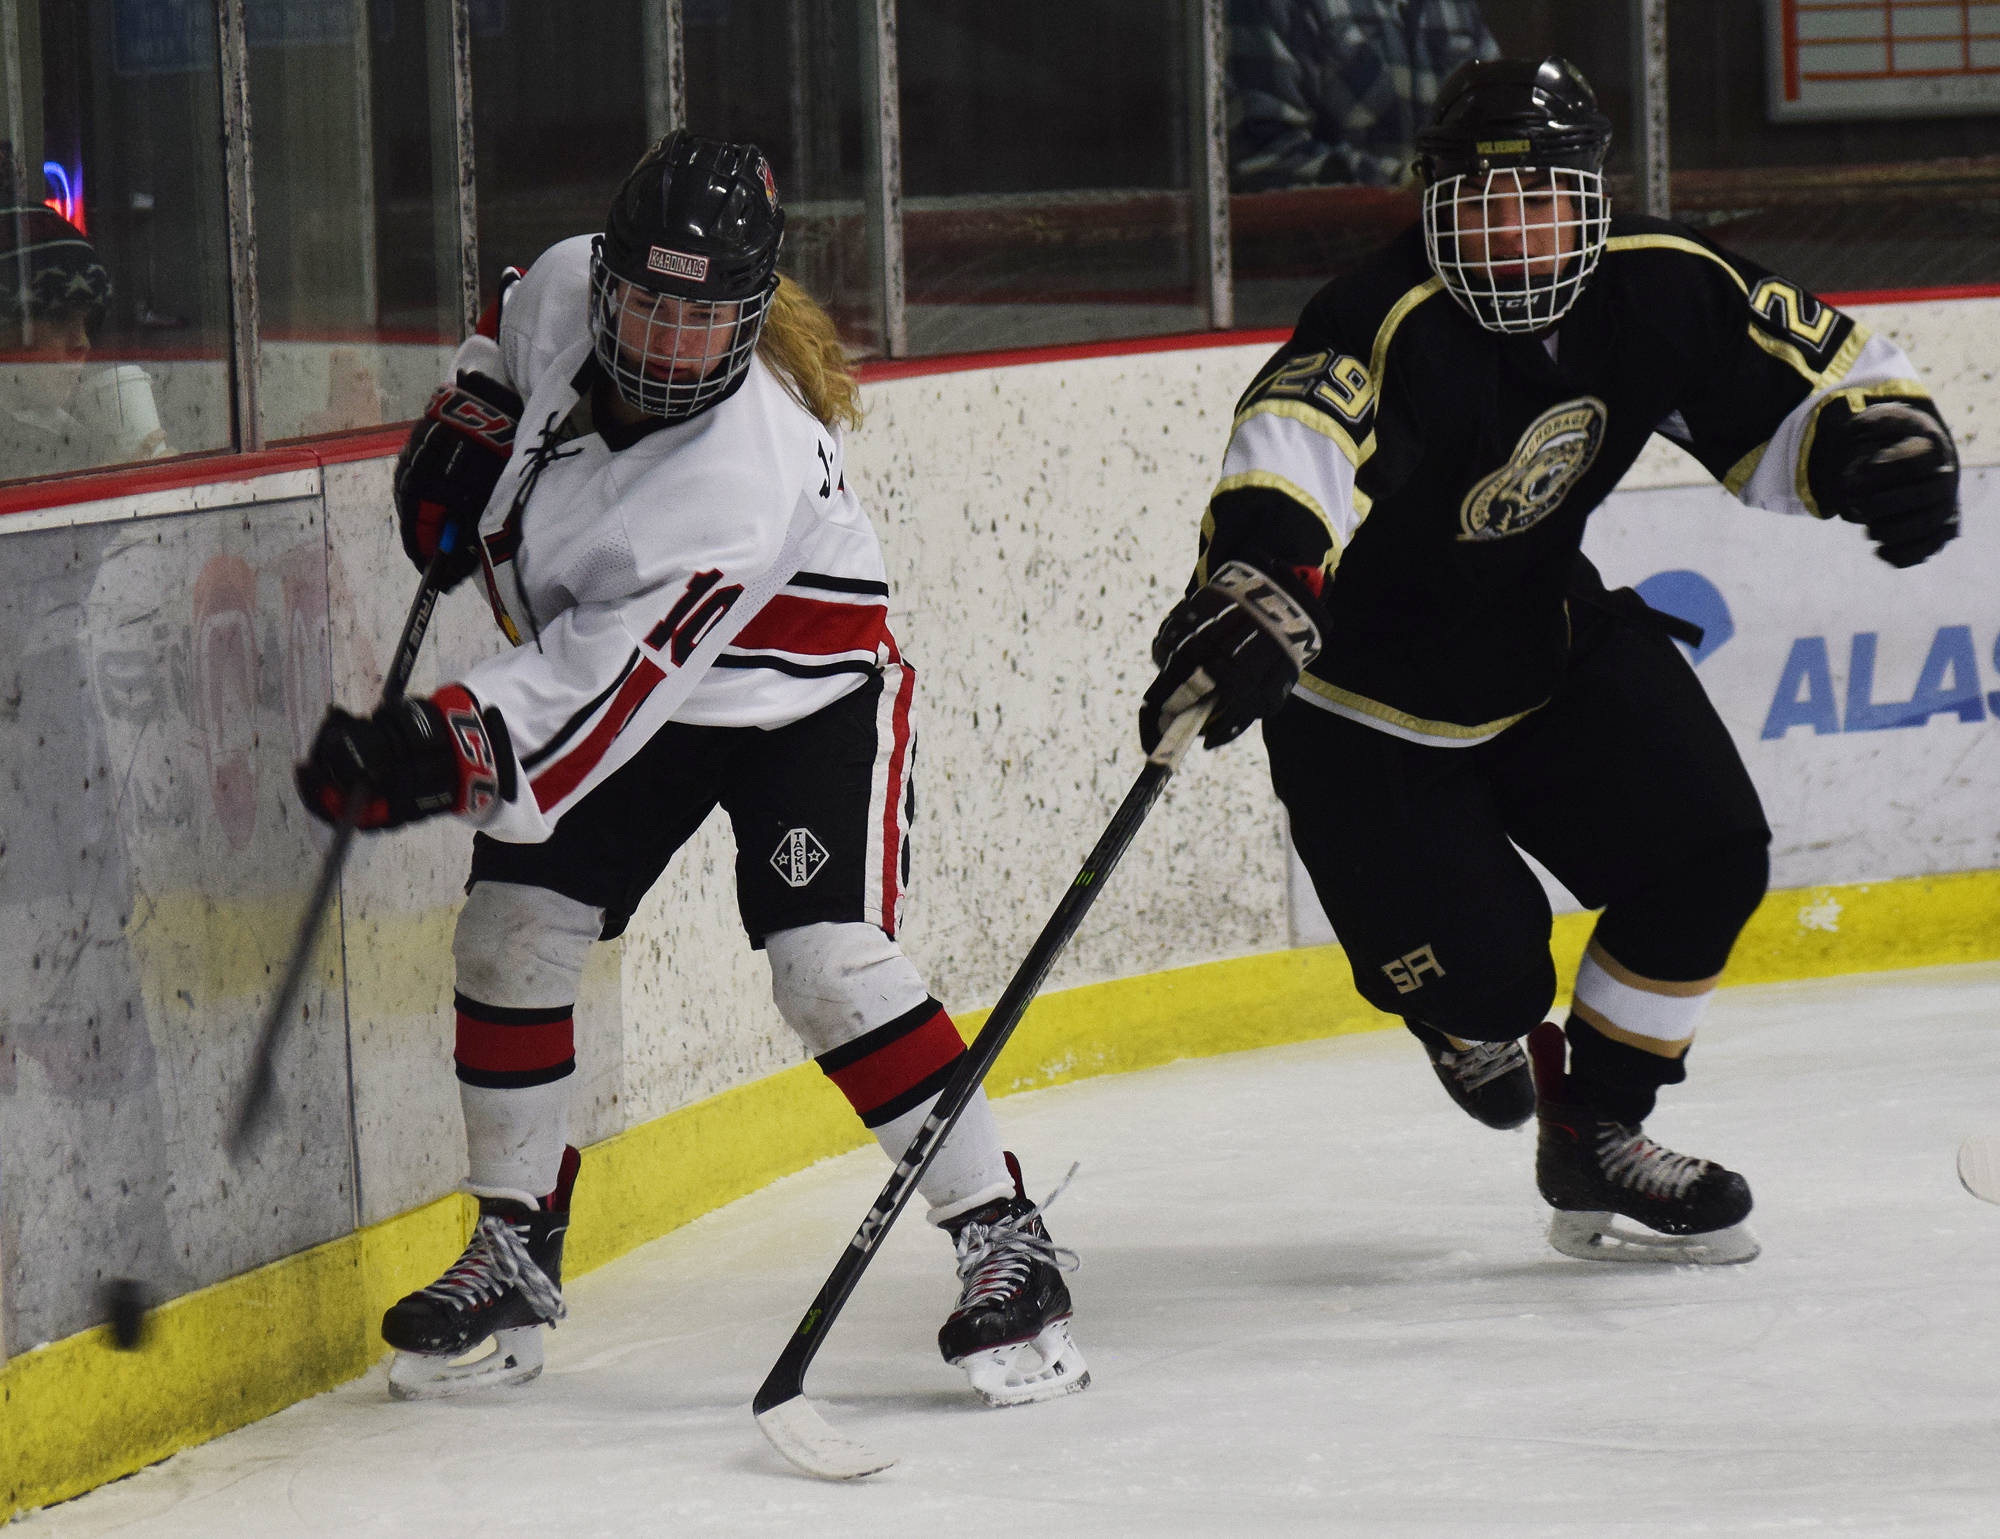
716 571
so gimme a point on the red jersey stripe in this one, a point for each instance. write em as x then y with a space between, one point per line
901 1065
566 773
814 627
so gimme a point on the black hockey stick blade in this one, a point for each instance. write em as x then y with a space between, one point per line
253 1109
1979 1166
784 1415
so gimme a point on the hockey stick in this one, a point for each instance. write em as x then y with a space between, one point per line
1979 1166
254 1109
786 1417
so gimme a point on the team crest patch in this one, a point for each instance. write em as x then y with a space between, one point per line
770 186
1551 457
677 264
798 857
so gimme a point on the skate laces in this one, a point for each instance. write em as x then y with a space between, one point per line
994 1258
1482 1063
496 1260
1633 1160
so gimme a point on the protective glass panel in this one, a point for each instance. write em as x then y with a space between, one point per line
355 184
561 112
787 75
1047 172
1851 148
114 303
1323 119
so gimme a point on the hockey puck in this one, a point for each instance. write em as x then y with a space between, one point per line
125 1313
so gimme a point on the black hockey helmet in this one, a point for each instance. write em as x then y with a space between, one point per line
1515 213
684 273
1495 113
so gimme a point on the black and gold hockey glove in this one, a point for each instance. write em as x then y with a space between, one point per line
1891 467
1243 637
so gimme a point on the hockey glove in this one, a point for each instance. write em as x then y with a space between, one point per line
412 759
1897 474
1243 637
449 467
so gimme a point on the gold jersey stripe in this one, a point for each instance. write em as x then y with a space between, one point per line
1316 419
1741 472
1819 379
1632 980
1617 1033
1398 313
1675 243
1451 731
1271 481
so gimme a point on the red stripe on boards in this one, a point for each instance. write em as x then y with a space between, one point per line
514 1049
901 1065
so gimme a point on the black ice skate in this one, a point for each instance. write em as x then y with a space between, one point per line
1010 1331
1593 1171
1489 1080
506 1286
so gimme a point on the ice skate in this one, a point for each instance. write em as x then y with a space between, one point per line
1010 1331
505 1287
1489 1081
1594 1172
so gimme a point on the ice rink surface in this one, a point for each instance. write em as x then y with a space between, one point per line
1316 1300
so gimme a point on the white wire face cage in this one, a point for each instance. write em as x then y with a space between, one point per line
1516 245
671 357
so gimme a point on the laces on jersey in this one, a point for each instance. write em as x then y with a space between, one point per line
994 1258
1630 1159
1481 1063
496 1260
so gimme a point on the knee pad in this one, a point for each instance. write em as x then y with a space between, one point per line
835 982
522 948
1683 925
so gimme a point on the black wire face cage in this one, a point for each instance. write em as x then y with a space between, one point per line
670 357
1515 245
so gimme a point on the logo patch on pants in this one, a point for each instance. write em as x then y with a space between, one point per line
798 857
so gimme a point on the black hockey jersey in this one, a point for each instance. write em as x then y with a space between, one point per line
1440 475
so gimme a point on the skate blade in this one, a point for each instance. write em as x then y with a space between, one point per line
1979 1166
515 1359
1605 1237
1023 1372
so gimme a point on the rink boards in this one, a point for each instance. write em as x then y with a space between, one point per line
172 651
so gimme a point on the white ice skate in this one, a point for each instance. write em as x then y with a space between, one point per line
1010 1331
1022 1372
1605 1237
515 1358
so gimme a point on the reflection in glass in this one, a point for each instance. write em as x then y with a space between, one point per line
113 298
1047 172
355 164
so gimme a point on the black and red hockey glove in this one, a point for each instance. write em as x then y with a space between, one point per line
412 759
1890 467
1243 637
449 467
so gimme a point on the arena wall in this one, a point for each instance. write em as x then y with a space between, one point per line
172 646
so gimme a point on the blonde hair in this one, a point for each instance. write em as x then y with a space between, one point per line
799 344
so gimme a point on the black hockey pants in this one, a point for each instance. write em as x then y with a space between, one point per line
1625 785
